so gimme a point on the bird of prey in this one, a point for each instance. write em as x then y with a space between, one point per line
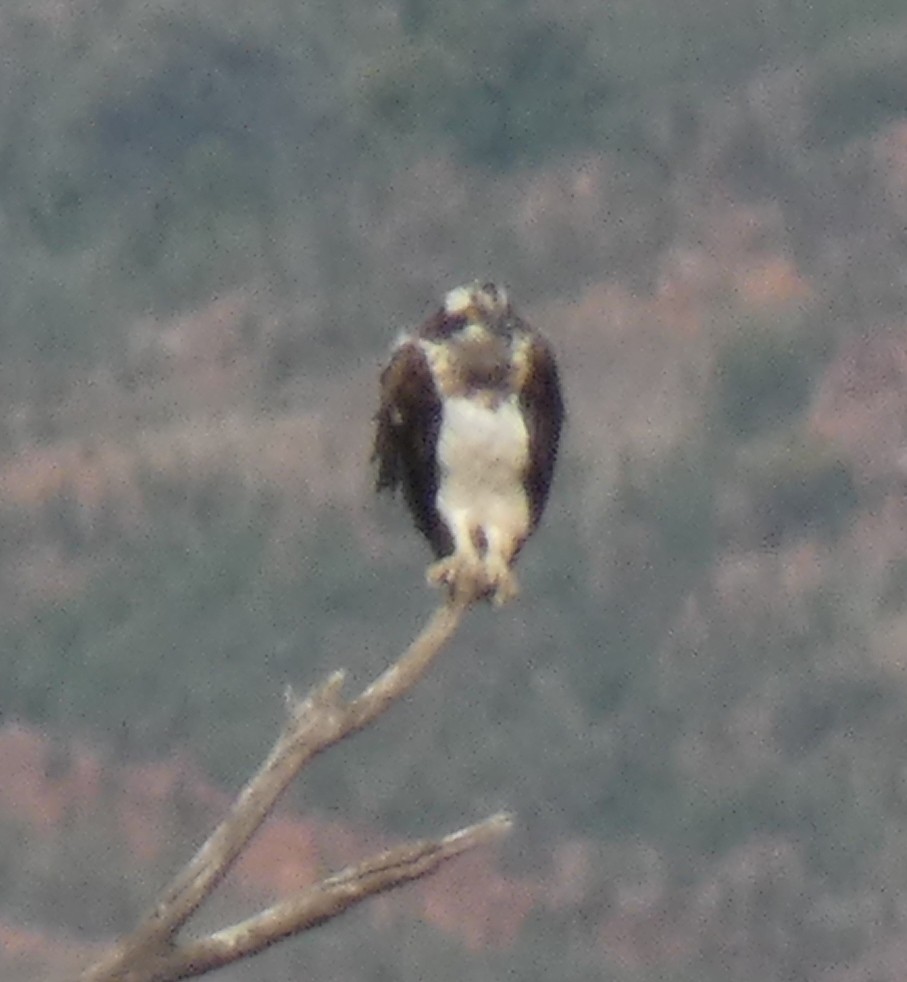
468 428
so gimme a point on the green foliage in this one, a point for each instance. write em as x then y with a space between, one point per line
157 653
675 498
894 592
72 883
762 377
857 88
157 153
502 92
860 103
798 485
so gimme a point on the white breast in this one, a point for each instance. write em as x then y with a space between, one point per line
483 453
483 446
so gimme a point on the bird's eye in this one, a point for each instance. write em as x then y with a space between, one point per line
491 289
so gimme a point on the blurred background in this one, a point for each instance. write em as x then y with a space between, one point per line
215 219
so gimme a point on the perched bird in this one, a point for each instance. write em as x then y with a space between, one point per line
468 427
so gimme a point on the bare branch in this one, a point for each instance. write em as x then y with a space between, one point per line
314 724
317 904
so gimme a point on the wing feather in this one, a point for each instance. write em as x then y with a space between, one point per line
406 438
543 408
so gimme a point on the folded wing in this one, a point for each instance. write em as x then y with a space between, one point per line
406 438
543 410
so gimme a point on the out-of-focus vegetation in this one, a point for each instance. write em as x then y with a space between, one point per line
216 219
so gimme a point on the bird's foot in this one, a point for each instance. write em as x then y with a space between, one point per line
470 578
462 574
502 583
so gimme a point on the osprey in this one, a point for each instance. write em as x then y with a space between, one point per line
468 427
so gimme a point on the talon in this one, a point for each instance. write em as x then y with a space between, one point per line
504 587
445 572
438 574
505 593
463 575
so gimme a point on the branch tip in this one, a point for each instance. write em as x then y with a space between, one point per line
489 829
325 695
501 823
334 683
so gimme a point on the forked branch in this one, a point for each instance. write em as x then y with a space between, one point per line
152 954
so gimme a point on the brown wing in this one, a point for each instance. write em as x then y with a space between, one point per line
406 439
543 409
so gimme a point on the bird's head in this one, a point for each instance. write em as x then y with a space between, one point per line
484 304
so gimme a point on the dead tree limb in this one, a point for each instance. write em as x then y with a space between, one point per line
151 952
314 905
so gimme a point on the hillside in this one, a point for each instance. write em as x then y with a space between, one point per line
221 218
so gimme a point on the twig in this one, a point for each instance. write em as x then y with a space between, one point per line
314 724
